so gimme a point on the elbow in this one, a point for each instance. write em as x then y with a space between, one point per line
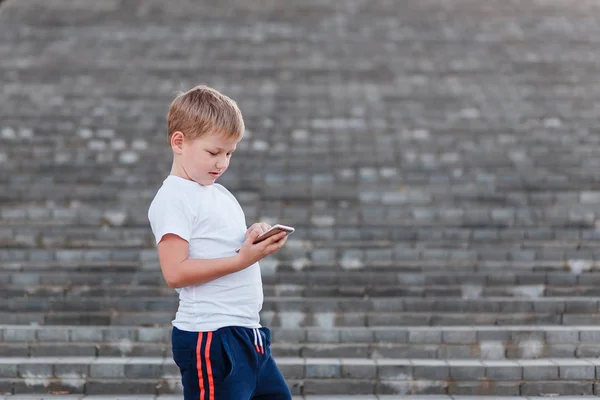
173 279
174 282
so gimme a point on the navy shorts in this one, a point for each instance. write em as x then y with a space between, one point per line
231 363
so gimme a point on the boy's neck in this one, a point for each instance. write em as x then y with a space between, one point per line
177 170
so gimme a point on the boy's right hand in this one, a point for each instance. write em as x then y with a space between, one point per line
252 253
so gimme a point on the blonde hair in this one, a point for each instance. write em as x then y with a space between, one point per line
203 110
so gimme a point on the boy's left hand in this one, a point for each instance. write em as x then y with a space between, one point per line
260 227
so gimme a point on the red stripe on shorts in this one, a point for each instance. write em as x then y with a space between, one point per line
199 365
211 385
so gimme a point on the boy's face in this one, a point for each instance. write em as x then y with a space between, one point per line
204 159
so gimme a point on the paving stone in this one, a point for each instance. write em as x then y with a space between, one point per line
107 370
551 388
576 370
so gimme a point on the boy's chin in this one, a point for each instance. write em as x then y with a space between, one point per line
206 182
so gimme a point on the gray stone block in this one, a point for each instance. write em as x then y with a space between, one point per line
322 368
338 386
588 351
539 370
143 370
120 387
71 371
562 336
391 335
107 370
356 335
587 336
581 306
6 386
564 388
394 369
292 371
63 350
38 371
119 333
52 334
433 372
8 371
502 370
466 372
415 387
459 336
454 352
19 335
289 335
561 350
576 371
146 334
484 388
425 336
69 255
320 335
358 369
86 334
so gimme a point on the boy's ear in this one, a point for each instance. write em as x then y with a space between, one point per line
177 142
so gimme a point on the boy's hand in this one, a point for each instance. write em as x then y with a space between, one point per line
251 253
260 227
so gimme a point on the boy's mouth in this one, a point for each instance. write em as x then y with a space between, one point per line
214 174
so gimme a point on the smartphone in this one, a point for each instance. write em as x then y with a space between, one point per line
274 230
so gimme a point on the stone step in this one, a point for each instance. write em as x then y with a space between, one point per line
153 279
525 348
74 224
384 210
491 342
322 227
390 334
148 375
423 203
297 397
472 290
351 260
150 172
56 243
422 217
471 303
350 254
326 320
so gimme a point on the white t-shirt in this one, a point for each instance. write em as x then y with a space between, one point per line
211 220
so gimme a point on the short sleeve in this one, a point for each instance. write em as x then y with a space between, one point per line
170 215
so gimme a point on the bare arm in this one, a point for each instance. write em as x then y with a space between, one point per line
180 271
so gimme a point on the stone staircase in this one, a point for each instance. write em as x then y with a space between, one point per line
438 160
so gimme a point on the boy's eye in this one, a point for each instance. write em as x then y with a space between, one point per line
211 153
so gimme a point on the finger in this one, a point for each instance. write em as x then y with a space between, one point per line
276 246
252 235
282 242
279 236
275 239
250 230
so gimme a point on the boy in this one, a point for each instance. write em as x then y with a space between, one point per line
218 343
